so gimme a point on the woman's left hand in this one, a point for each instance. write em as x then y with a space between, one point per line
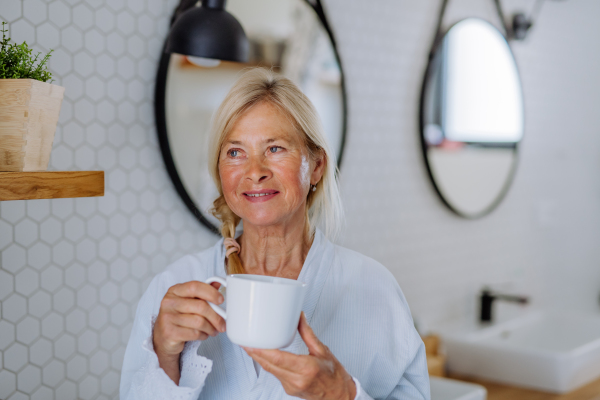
317 376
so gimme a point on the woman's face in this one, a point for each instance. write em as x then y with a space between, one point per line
265 168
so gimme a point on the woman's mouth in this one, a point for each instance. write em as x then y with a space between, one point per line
260 195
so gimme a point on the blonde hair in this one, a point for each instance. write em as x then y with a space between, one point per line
324 205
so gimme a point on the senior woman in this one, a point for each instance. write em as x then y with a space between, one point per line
275 172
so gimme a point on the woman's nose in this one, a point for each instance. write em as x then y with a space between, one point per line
258 170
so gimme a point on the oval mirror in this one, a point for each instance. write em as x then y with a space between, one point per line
471 117
291 37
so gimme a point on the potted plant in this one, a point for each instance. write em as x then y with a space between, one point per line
29 108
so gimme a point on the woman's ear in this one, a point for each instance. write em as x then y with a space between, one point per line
319 169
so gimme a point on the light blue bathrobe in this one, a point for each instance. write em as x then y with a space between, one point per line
353 304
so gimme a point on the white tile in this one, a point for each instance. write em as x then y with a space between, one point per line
84 111
63 253
116 5
95 134
125 23
38 255
125 67
167 242
94 42
50 230
87 342
109 384
76 321
87 297
130 290
71 38
38 210
107 248
29 379
97 273
147 69
117 180
7 334
12 211
66 390
83 16
59 13
7 285
84 64
28 330
53 373
118 225
11 10
99 363
40 352
39 304
128 202
139 223
26 232
35 11
117 135
27 281
107 158
119 270
148 201
64 347
48 36
136 46
115 89
51 278
22 31
74 228
146 25
61 158
63 300
115 44
61 62
14 308
105 20
74 88
137 179
105 66
15 357
136 6
127 112
13 258
105 111
76 367
86 251
136 91
62 208
89 388
6 234
75 276
96 226
119 314
149 244
109 338
146 113
42 393
8 383
94 88
98 317
109 293
66 114
127 157
86 206
129 246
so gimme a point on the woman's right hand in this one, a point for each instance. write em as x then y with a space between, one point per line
185 316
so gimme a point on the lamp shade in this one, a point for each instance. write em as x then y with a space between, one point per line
208 31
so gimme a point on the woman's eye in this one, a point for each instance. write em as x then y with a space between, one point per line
233 153
274 149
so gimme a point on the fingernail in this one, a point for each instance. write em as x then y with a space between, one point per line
220 299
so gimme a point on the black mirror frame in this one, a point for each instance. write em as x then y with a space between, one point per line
437 42
161 119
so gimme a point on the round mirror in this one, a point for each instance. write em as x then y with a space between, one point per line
289 36
471 117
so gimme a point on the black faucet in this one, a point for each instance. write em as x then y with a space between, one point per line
487 299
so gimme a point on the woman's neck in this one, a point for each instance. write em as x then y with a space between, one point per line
275 251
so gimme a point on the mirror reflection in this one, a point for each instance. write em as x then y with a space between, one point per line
472 117
285 35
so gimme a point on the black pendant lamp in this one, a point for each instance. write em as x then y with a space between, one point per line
207 31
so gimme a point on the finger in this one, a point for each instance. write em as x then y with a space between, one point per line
201 308
185 334
315 347
199 290
195 322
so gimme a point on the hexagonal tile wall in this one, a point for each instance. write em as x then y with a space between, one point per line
72 270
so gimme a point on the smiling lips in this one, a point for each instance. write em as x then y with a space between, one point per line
256 196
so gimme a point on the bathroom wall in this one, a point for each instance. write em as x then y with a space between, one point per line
72 270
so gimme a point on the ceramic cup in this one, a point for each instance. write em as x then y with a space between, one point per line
262 311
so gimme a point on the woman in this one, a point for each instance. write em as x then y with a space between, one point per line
275 172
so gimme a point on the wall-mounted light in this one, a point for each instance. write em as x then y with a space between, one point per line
207 34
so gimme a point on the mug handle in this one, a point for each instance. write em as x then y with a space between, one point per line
215 307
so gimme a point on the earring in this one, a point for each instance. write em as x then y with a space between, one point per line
314 187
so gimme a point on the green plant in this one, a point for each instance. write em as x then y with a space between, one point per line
16 61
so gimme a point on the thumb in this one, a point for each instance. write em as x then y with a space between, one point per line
315 347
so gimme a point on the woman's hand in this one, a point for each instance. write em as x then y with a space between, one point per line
317 376
184 316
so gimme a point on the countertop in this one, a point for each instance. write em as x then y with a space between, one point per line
497 391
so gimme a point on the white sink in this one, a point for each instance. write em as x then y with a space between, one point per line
549 351
450 389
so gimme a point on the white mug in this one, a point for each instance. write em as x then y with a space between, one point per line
262 311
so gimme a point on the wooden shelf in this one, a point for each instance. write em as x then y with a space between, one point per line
50 184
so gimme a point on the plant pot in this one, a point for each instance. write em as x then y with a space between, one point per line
28 116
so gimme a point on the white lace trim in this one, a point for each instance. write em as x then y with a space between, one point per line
151 382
